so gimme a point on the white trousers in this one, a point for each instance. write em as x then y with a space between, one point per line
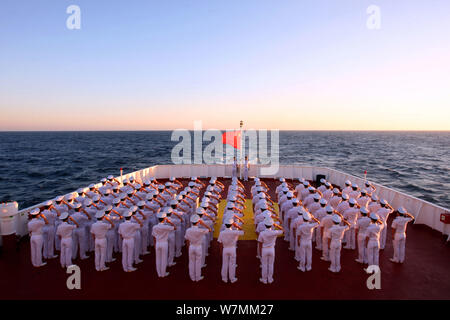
171 240
66 252
399 247
318 239
110 239
362 252
229 264
100 253
383 236
350 238
292 242
335 255
137 246
325 249
178 240
36 250
267 262
161 257
127 254
373 250
49 241
305 254
195 262
79 240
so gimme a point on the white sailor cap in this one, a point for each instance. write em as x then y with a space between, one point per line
295 201
59 198
131 179
368 183
289 194
228 221
256 179
152 178
285 189
329 209
363 191
301 211
103 180
352 201
204 204
88 202
122 196
193 178
168 184
138 186
187 189
110 177
125 181
35 211
258 183
64 215
259 189
305 183
336 218
91 186
306 216
328 184
141 203
70 196
116 201
323 201
147 182
76 205
264 206
345 196
48 203
108 208
207 194
200 211
262 195
191 184
317 196
348 183
173 202
402 210
284 184
354 185
179 197
195 218
282 179
160 187
323 180
172 179
161 214
80 191
311 189
127 214
301 179
364 210
100 214
374 216
374 197
384 201
182 193
336 191
116 187
268 221
209 188
130 191
106 191
133 209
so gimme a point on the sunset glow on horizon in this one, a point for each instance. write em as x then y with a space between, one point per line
294 65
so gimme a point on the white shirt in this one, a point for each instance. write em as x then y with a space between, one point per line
128 229
337 232
161 231
269 237
400 224
99 229
65 230
373 232
35 227
362 224
305 231
229 237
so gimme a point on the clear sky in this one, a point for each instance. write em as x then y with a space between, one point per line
300 65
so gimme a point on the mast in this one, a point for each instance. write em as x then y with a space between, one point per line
241 124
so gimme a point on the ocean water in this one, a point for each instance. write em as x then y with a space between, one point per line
37 166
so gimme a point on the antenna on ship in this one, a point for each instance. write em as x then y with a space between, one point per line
241 124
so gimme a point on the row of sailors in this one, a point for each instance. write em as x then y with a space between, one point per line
79 212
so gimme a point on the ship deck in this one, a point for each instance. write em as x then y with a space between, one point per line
424 275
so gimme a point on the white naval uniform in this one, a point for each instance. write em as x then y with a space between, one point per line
161 233
179 232
326 223
65 231
335 201
99 229
351 215
127 230
49 234
383 213
229 238
246 170
373 245
318 230
79 236
295 233
234 170
400 224
35 226
268 239
361 225
336 235
195 236
305 231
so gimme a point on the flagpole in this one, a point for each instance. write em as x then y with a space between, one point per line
241 123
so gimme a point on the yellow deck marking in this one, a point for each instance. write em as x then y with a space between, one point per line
249 223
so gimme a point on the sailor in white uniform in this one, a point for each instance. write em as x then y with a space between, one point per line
228 238
99 230
65 232
355 193
35 227
79 234
361 226
351 215
348 187
322 186
300 187
49 230
195 237
305 192
267 240
326 223
127 232
336 198
344 204
137 235
246 168
319 214
364 199
304 241
177 219
161 233
399 234
374 204
336 235
373 232
384 213
235 168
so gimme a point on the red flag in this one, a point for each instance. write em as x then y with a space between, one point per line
233 138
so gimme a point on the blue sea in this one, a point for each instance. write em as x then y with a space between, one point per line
37 166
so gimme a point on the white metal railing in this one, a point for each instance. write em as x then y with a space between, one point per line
424 212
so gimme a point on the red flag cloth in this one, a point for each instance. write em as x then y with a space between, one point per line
233 138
